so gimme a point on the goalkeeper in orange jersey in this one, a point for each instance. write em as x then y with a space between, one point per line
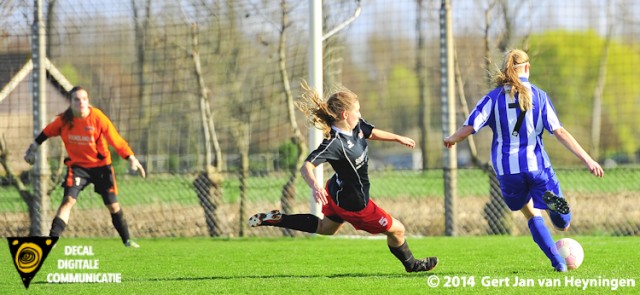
87 133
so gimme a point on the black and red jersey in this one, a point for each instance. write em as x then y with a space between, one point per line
347 153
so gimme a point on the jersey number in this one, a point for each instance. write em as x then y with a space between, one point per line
383 221
77 181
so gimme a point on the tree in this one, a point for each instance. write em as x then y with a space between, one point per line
500 17
244 89
51 8
25 193
141 24
208 184
403 90
596 123
424 115
289 189
584 50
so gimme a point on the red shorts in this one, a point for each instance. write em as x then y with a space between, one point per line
371 219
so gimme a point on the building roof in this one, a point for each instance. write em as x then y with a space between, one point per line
16 66
10 64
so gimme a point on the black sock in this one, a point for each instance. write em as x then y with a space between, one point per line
121 225
302 222
403 253
57 227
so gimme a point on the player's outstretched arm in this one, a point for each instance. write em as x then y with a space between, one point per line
377 134
572 145
458 136
135 165
319 193
30 154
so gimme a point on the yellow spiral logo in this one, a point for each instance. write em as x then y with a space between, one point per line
28 257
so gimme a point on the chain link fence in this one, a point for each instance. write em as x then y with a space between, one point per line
154 67
168 205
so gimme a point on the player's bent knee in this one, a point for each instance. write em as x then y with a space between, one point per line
114 207
327 227
397 228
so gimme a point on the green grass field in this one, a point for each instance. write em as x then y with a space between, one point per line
327 265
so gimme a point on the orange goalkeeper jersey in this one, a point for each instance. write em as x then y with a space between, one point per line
87 142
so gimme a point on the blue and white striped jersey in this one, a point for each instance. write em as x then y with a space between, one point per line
512 154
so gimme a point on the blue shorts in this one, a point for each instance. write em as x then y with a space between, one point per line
518 189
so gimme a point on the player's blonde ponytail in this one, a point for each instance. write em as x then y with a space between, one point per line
508 75
322 114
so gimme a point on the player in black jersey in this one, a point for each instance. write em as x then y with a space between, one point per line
346 195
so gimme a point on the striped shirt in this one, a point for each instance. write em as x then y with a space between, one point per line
524 152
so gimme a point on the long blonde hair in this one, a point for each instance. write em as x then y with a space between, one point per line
508 75
322 114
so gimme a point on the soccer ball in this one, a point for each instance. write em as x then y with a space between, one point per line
572 252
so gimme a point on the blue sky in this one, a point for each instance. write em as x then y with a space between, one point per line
383 16
468 15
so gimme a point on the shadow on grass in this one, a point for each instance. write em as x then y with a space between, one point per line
282 276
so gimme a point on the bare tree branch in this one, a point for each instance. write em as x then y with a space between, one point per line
596 115
26 194
289 190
